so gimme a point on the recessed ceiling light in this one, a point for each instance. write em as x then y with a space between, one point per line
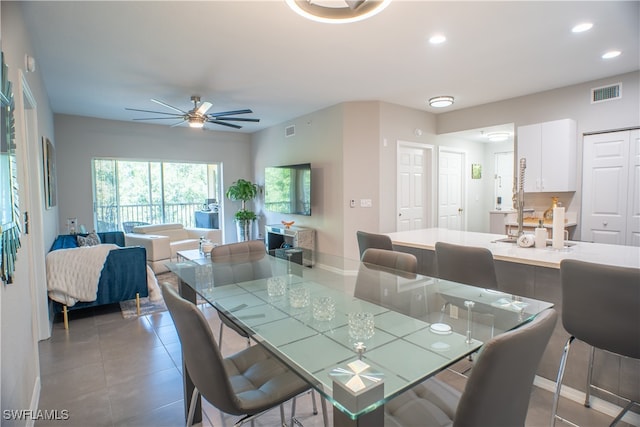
441 101
580 28
611 54
437 39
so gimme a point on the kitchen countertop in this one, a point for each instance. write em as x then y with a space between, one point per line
618 255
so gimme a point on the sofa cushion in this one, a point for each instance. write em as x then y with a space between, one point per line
156 228
90 239
174 232
183 245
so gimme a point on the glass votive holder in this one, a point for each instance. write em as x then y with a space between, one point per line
324 309
361 325
276 287
299 297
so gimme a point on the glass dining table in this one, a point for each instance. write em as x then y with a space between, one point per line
358 333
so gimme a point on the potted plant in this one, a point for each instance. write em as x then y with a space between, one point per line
244 191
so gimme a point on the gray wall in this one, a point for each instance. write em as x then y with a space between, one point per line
80 139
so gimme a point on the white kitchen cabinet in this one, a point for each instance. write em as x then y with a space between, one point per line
550 150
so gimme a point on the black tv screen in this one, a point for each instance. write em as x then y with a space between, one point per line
287 189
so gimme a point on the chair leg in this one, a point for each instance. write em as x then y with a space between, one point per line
220 339
192 406
138 303
556 396
587 399
293 411
65 317
283 423
325 414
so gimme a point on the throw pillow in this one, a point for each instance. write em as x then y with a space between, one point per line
92 239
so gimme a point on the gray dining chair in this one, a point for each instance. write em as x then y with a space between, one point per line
246 383
600 307
469 265
368 240
466 264
238 262
376 281
390 259
497 392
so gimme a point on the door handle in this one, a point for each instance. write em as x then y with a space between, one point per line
459 210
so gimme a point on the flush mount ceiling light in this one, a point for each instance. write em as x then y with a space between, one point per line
497 136
441 101
337 11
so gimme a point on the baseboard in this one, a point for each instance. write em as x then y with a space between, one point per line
35 400
578 396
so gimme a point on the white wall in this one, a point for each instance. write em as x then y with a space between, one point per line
19 355
80 139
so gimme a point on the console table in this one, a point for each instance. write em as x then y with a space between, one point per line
278 236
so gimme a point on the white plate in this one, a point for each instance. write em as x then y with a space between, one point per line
440 328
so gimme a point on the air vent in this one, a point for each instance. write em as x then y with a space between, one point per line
606 93
290 131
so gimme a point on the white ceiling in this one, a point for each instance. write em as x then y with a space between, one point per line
99 57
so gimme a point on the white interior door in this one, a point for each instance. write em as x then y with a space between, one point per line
633 200
414 177
605 187
451 213
504 179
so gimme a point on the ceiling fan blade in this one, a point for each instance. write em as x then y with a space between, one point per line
203 108
164 104
178 124
229 113
155 112
218 122
238 119
160 118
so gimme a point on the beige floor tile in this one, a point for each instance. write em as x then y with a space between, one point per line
142 394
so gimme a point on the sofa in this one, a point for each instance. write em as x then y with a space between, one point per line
123 276
163 241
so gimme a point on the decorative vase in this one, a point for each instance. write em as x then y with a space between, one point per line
548 214
244 228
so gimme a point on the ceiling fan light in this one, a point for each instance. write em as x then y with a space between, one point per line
441 101
196 122
327 12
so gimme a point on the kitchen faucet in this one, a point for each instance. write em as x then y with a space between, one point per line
520 195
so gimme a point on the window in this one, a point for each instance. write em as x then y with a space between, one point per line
131 191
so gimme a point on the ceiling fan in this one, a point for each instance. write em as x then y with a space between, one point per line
197 116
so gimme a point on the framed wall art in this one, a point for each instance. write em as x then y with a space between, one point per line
49 163
476 171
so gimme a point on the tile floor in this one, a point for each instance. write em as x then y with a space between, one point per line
108 371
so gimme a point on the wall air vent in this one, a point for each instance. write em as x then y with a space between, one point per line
606 93
290 131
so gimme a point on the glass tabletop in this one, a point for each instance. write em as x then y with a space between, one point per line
358 333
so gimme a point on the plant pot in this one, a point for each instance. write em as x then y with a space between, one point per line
244 228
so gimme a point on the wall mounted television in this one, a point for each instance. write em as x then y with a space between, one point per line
287 189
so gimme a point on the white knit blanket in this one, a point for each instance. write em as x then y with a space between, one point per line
73 274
